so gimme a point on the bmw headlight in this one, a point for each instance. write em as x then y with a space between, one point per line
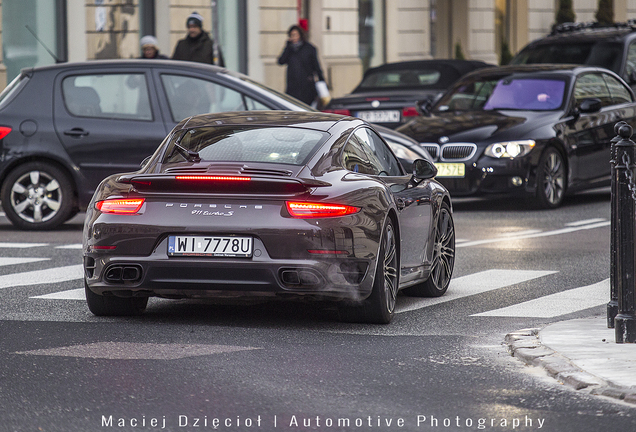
510 149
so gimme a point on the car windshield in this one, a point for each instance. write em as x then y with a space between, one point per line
505 93
603 54
283 145
401 78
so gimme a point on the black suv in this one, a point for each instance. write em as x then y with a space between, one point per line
612 47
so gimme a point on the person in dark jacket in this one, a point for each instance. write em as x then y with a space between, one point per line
303 68
150 48
197 46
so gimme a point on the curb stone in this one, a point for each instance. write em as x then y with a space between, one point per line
526 346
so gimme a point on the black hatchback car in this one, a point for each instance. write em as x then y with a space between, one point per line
537 131
63 128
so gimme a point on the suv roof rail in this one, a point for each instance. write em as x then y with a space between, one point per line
593 25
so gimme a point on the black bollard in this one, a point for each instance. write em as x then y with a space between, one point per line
612 306
625 190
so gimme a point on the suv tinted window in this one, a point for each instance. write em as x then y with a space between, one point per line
112 96
603 54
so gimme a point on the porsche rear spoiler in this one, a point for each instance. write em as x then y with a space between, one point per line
223 183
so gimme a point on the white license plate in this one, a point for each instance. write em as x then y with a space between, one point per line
212 246
379 116
451 169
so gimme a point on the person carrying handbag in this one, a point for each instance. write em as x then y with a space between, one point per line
303 69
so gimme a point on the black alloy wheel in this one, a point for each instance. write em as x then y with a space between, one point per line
37 196
114 306
443 260
379 307
551 179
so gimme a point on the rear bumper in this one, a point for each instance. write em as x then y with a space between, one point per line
196 277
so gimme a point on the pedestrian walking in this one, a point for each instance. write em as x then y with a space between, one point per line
150 48
303 68
197 46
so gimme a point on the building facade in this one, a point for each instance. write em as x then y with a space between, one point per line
351 35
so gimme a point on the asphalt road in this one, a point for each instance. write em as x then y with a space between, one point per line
192 365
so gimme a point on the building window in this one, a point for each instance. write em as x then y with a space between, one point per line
371 33
232 33
30 37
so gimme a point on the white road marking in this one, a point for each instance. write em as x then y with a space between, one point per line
74 294
47 276
558 304
137 351
469 285
12 261
535 235
585 222
21 245
519 233
70 246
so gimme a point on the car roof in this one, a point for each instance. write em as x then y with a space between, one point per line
132 63
311 120
586 32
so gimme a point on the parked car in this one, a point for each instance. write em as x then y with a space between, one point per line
63 128
610 46
388 95
537 131
271 203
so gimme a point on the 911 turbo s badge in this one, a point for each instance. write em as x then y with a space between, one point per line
211 213
225 210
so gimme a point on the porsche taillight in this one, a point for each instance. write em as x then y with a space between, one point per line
121 206
307 210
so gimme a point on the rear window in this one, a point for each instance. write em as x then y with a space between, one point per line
283 145
13 89
403 78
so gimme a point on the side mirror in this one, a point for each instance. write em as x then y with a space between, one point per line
423 169
424 107
590 105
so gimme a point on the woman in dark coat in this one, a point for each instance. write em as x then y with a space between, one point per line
301 59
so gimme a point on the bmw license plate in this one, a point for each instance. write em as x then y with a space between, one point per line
451 169
212 246
379 116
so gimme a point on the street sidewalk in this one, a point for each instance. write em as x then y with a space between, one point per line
582 354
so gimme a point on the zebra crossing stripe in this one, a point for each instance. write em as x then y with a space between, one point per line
74 294
4 261
554 305
469 285
38 277
5 245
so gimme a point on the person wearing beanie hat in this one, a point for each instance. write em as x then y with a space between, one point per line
150 48
197 46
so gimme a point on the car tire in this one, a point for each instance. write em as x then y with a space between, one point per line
114 306
443 260
379 307
551 179
37 196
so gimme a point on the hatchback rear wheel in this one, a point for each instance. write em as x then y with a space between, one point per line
37 196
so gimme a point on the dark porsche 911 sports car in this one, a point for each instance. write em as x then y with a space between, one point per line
270 203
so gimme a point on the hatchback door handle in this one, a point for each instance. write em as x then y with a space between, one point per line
76 132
